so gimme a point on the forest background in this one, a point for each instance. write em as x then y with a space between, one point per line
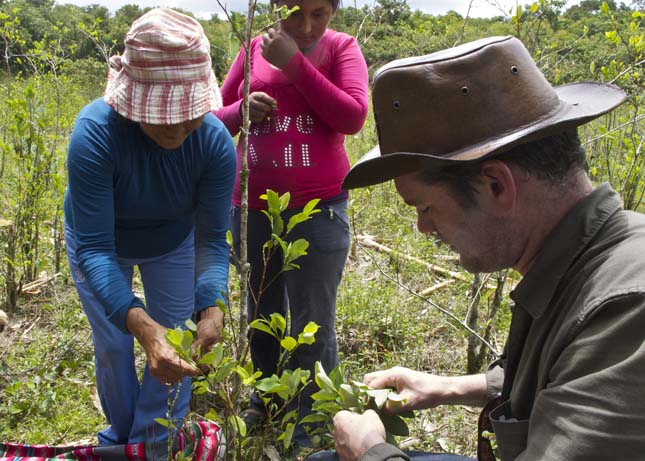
403 301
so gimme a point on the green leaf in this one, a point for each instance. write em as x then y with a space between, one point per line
324 395
309 207
191 325
314 418
287 435
290 416
284 201
278 323
224 371
337 375
348 396
187 341
262 325
229 238
308 334
200 387
237 424
379 395
395 425
162 421
222 305
174 337
289 343
311 327
330 408
212 415
241 372
271 384
322 380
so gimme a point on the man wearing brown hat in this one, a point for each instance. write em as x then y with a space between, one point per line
487 152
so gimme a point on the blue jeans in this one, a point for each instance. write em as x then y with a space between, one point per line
416 455
308 293
131 406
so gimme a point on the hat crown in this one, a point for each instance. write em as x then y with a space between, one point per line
166 46
461 97
165 74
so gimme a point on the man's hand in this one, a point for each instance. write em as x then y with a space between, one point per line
164 363
209 329
354 434
278 48
424 390
260 106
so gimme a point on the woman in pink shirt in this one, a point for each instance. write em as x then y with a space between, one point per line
309 88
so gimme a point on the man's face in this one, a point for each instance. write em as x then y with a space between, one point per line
483 240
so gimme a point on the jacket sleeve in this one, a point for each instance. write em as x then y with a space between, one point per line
229 114
341 102
383 452
91 191
594 406
213 216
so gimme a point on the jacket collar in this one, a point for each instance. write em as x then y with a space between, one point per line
562 247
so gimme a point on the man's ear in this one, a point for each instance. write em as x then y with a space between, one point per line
498 186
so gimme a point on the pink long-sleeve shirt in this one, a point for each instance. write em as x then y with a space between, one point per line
321 96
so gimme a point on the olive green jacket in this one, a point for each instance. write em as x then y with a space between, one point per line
574 368
573 371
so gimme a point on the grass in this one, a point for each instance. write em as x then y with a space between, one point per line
47 372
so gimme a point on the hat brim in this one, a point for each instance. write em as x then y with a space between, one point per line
162 104
581 103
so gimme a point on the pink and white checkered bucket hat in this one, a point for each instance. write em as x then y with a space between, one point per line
165 75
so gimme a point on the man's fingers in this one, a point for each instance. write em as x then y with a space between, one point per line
377 379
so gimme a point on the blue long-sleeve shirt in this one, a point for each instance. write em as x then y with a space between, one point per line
130 198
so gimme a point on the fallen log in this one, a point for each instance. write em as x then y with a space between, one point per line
368 241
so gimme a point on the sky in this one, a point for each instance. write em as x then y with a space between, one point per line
206 8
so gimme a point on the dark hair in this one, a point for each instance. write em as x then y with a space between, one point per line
552 159
334 3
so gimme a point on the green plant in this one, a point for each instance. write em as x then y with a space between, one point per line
335 395
230 376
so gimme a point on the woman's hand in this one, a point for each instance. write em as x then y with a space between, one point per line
260 106
278 48
164 363
209 329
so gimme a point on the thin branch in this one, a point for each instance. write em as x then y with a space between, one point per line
445 312
463 26
604 135
624 71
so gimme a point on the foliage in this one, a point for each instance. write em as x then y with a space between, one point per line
336 395
54 62
223 370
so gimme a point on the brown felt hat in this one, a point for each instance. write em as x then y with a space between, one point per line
469 102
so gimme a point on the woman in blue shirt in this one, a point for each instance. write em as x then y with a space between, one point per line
151 172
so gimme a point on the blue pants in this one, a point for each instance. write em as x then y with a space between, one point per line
308 293
416 455
130 406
